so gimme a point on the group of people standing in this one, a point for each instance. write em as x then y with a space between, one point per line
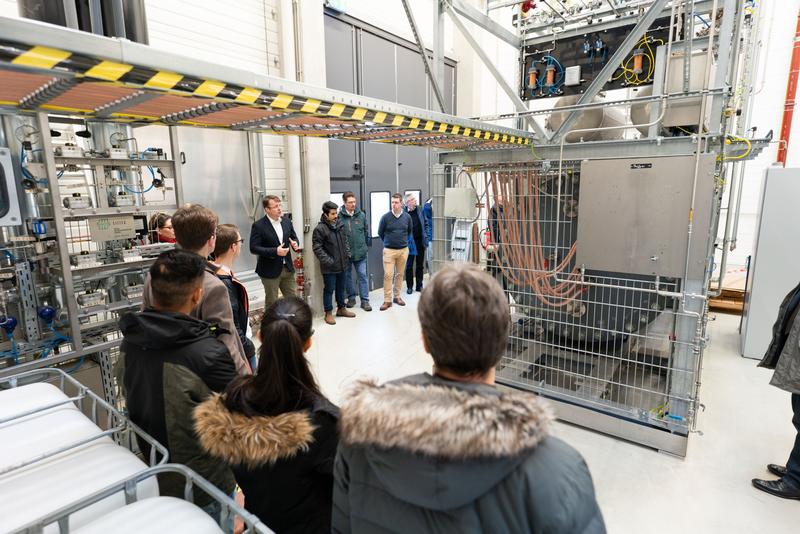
434 452
341 242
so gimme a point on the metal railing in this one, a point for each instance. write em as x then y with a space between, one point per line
100 412
621 344
229 508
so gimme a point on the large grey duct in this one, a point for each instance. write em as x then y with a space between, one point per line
587 119
640 113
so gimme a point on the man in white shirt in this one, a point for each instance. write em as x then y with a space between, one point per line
273 239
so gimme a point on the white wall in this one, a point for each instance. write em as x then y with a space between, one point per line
477 92
777 36
244 35
8 8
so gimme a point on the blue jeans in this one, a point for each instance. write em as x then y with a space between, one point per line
333 282
363 287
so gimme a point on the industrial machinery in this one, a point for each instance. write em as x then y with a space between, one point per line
75 239
76 249
603 233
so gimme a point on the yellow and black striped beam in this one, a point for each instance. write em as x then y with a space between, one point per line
70 71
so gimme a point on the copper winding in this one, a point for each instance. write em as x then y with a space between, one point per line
522 263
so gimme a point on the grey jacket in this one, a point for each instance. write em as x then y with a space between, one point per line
215 308
423 454
783 353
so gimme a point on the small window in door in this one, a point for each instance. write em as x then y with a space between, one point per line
380 202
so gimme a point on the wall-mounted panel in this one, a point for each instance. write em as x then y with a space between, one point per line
633 215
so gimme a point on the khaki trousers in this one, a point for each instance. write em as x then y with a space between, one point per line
284 282
394 264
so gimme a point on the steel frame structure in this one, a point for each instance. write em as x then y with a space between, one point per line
552 151
111 74
471 143
84 339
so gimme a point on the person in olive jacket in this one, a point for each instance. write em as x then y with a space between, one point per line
450 452
330 247
356 232
275 430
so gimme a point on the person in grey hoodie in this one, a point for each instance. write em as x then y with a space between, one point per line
449 452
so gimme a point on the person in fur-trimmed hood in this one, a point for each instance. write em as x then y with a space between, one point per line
275 429
449 452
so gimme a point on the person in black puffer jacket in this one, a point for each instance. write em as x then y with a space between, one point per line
330 247
275 429
228 247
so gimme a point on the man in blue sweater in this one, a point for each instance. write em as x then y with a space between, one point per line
394 230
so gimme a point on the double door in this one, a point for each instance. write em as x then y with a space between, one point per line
365 62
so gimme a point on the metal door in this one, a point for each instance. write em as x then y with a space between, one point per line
218 166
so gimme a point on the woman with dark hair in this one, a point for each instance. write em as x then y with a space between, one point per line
229 247
161 228
276 430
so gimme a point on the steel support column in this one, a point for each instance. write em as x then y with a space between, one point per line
423 51
48 158
510 91
476 17
438 48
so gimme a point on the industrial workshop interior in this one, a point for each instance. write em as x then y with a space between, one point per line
399 266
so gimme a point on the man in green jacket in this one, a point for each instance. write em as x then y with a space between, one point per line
449 452
356 231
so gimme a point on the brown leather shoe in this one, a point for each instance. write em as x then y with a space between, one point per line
329 318
385 306
399 301
344 312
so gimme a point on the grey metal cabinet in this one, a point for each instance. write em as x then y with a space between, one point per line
773 269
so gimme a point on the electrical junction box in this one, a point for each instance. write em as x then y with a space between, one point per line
77 202
459 202
132 254
133 291
69 151
84 260
92 298
121 199
572 76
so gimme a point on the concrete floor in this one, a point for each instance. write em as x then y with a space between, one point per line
746 425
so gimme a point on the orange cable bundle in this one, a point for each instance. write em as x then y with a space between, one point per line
524 263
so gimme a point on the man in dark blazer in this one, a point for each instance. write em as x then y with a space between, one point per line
272 239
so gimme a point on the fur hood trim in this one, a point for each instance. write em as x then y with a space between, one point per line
251 441
443 421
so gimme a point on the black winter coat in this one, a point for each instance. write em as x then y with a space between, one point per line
240 306
783 353
284 463
423 454
330 247
264 244
169 363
